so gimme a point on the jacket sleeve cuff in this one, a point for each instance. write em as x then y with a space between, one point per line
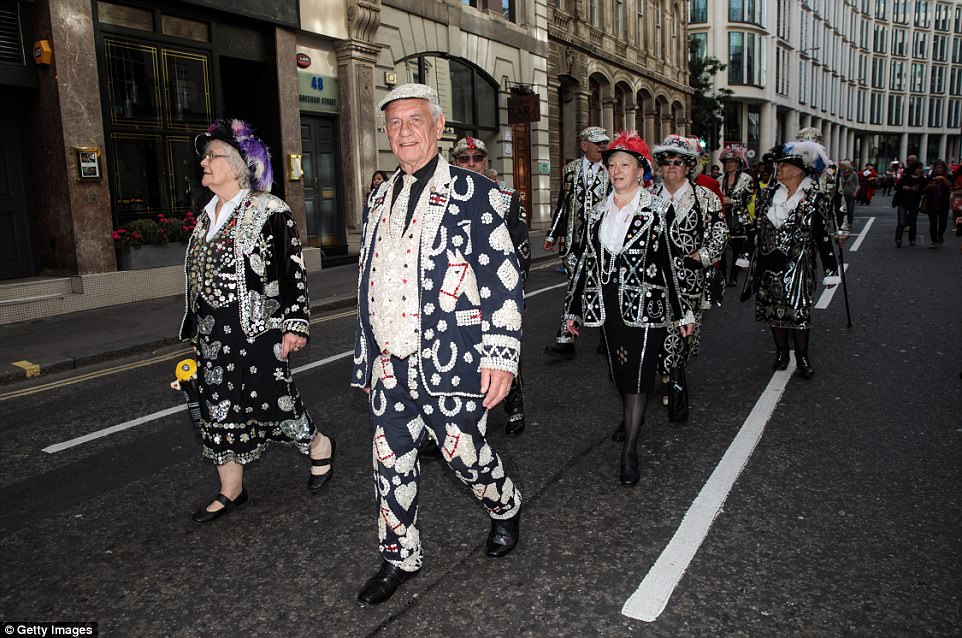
297 326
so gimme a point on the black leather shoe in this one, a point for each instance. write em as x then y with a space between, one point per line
619 434
805 368
203 516
317 481
429 449
560 351
504 535
383 584
781 360
514 428
630 471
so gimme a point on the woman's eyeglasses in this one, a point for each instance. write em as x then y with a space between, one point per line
464 159
209 155
674 162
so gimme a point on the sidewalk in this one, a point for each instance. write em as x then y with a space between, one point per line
64 342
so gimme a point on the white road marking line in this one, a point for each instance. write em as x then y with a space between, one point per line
651 597
861 235
529 295
120 427
827 293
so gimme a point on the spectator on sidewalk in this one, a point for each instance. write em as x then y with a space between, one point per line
247 311
378 178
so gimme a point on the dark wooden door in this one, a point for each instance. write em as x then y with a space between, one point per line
521 134
16 240
322 196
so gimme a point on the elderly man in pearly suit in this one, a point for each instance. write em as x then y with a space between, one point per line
440 295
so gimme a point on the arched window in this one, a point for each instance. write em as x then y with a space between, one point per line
468 95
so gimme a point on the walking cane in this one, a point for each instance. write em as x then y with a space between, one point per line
841 269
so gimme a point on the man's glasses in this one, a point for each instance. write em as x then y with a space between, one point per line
209 155
674 162
464 159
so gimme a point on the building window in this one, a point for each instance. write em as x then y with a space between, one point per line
919 44
917 81
954 114
468 96
863 34
935 112
782 83
880 9
897 76
900 11
956 50
875 112
733 122
507 7
749 11
916 110
878 73
640 25
955 81
700 41
898 43
698 11
895 110
745 59
860 107
879 39
939 46
922 14
942 19
619 19
594 15
937 81
862 65
802 84
958 20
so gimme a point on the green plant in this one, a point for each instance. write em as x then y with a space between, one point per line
161 230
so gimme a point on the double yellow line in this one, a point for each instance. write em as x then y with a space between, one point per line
180 352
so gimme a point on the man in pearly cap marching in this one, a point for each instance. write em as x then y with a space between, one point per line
439 333
584 184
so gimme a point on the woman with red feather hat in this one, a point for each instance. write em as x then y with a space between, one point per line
626 283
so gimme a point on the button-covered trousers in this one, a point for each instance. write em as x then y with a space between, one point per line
403 413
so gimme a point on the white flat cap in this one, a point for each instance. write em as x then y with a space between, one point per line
409 92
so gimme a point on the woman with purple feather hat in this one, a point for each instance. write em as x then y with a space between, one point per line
247 311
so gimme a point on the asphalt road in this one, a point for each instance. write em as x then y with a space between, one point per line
845 519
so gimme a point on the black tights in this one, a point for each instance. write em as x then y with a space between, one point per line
799 336
634 406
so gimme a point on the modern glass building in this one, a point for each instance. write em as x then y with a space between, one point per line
881 78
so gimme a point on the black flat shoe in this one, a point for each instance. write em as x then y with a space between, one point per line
630 471
503 536
805 369
514 428
781 360
317 481
429 449
203 516
560 351
383 584
619 434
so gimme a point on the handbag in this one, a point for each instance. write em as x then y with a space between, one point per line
678 391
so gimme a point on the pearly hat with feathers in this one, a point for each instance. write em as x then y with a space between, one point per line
805 154
630 142
239 134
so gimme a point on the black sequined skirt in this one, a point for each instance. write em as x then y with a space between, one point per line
248 398
632 352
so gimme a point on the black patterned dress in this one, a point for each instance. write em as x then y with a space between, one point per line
783 264
246 287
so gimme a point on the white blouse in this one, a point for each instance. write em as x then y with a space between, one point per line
216 223
614 225
782 205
